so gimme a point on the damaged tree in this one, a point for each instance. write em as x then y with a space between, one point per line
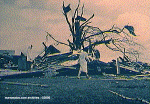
86 37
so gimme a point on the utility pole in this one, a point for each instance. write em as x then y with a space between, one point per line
118 66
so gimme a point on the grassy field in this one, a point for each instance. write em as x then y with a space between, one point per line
70 90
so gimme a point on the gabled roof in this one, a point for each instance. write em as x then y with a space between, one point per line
51 50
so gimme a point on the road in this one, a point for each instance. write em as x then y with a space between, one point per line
70 90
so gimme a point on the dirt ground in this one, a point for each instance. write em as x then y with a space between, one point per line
70 90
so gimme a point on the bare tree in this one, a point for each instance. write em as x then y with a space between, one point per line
86 37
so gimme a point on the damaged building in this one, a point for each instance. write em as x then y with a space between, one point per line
8 60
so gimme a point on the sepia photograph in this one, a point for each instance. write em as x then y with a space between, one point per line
74 52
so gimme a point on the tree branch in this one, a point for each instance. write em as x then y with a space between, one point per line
56 40
76 9
98 33
87 20
71 45
82 10
70 27
99 42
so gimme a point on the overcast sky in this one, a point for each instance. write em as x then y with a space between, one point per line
24 22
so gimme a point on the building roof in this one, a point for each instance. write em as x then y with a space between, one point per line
51 50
